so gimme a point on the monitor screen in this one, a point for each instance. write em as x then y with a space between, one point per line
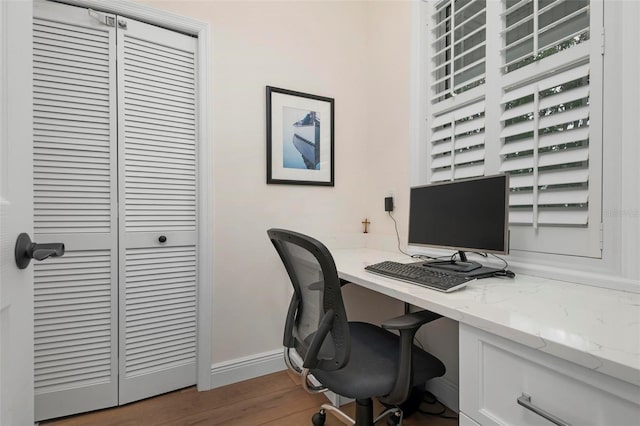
466 215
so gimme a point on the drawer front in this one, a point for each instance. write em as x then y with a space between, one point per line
495 373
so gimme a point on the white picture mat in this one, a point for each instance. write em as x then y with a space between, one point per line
280 100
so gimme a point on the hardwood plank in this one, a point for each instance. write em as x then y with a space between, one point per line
252 412
275 399
178 404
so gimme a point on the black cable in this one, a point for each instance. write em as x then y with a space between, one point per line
472 252
427 257
415 256
506 264
431 399
439 413
395 224
441 257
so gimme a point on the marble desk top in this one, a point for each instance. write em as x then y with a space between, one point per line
593 327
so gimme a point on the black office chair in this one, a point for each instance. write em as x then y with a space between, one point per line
353 359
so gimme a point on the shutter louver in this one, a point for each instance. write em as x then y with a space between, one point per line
159 120
535 29
459 47
545 148
457 141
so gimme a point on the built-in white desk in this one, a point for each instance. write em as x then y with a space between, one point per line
577 346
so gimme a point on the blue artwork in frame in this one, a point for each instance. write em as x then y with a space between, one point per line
300 138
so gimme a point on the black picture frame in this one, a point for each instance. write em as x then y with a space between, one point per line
300 138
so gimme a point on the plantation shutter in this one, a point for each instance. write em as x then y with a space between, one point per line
551 131
546 149
535 29
458 144
458 47
74 202
457 126
532 109
157 156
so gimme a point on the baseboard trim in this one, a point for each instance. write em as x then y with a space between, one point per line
446 391
240 369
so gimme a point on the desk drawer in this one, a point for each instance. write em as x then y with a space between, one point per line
495 373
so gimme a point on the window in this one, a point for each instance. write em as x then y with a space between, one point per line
515 86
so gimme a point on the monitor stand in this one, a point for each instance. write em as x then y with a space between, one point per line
462 265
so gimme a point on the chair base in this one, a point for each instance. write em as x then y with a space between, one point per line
364 414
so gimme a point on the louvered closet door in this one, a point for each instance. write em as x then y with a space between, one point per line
74 202
157 189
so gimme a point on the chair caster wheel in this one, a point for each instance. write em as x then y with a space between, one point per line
319 418
393 419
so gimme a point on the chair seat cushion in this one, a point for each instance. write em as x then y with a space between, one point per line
373 364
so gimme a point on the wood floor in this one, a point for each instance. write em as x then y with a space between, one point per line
275 399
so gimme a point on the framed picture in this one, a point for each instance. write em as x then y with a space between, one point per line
299 138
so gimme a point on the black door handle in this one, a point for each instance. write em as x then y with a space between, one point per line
26 250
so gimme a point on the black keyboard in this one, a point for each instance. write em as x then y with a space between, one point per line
417 274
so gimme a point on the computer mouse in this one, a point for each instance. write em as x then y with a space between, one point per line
509 273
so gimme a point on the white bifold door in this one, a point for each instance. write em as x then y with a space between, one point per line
115 180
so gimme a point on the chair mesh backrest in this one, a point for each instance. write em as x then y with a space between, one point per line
316 291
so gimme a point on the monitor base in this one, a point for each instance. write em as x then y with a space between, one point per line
462 265
453 265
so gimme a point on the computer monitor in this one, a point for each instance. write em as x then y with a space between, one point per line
463 215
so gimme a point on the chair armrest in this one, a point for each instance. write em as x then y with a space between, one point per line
288 339
311 358
410 321
407 325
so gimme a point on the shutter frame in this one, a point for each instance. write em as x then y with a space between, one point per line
545 150
582 183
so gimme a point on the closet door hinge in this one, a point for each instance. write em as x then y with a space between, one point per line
109 21
122 24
